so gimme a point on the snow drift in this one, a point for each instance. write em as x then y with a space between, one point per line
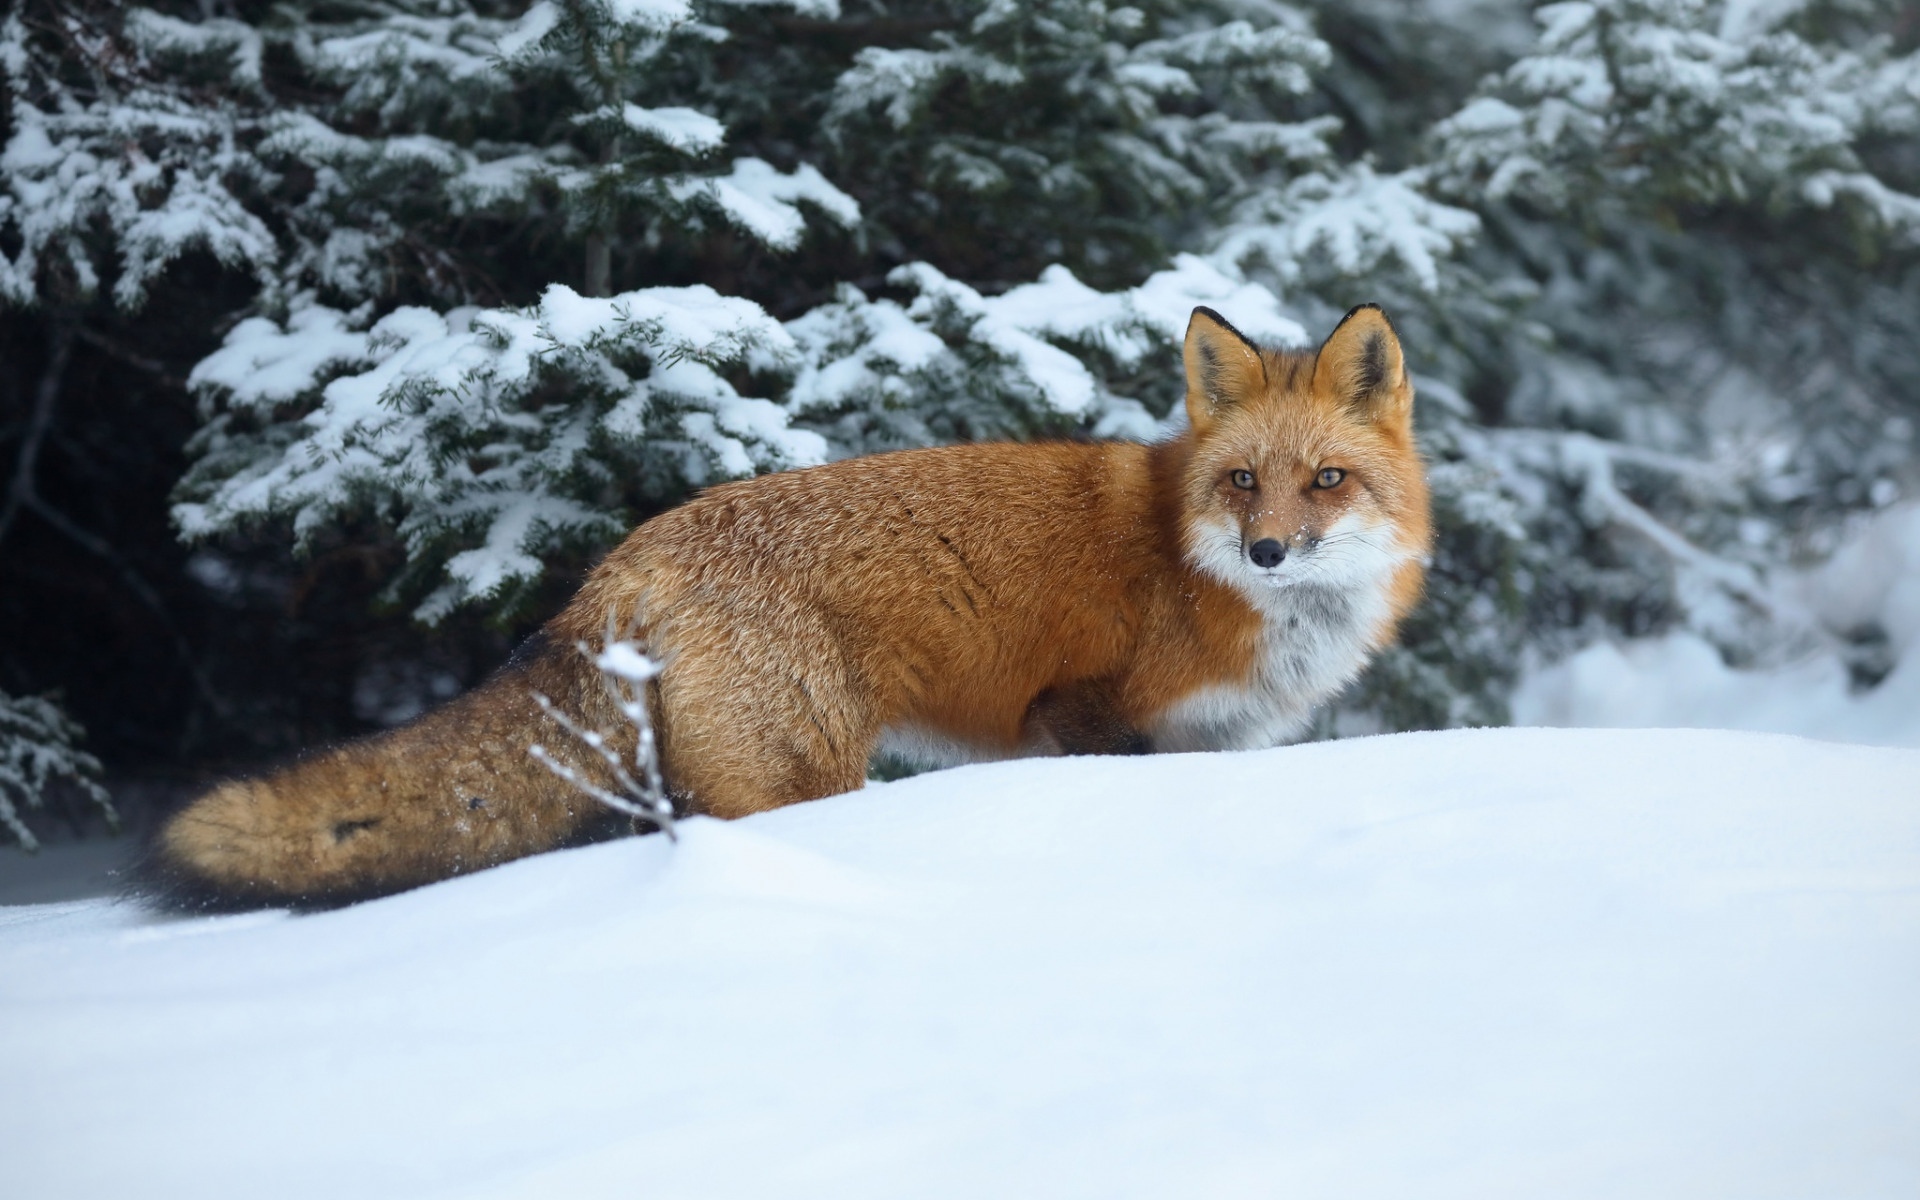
1868 590
1470 964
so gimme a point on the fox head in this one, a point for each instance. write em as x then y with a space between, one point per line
1303 469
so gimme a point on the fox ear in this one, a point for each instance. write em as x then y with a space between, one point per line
1223 367
1360 365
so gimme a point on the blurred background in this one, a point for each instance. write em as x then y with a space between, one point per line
340 337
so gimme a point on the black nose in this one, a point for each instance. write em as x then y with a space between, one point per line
1267 552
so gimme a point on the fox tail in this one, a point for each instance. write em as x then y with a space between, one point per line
454 791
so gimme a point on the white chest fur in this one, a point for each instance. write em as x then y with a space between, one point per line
1315 641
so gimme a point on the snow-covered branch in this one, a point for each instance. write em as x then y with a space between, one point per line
446 423
37 750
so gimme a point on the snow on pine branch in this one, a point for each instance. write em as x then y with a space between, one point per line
903 82
406 63
1284 55
753 196
1025 360
127 182
232 44
1149 93
765 202
1679 101
1347 225
490 439
686 130
37 748
1718 596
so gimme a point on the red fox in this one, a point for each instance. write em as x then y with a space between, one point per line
964 602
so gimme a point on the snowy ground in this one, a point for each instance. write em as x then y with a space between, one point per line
1472 964
1869 587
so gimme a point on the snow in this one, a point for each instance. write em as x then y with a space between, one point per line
391 399
906 80
623 660
678 322
651 14
764 201
1283 54
1896 210
1681 680
684 129
65 174
261 365
512 524
1133 324
687 130
484 184
1061 379
1870 586
1157 78
1167 300
1748 104
857 349
1349 223
240 44
1468 964
456 47
535 24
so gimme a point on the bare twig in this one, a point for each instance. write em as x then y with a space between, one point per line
20 490
133 358
625 670
23 495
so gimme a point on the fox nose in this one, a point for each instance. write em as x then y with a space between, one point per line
1267 552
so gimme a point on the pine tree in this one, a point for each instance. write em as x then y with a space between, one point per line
493 439
1698 204
38 753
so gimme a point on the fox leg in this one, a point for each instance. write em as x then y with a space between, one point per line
1081 718
752 724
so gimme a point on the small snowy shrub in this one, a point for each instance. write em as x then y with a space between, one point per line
637 788
38 753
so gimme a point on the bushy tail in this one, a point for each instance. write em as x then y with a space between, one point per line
452 792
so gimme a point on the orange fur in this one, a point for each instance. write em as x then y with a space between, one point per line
969 601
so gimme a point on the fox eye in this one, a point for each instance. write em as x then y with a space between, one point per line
1329 478
1243 480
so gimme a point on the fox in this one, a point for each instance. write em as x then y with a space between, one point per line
961 603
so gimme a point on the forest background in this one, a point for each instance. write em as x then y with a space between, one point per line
337 339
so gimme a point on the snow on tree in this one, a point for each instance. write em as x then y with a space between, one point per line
1042 357
38 753
1637 104
490 435
1697 205
1170 142
492 438
115 167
